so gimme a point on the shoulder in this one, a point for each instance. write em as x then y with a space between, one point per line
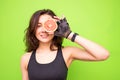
72 50
25 59
69 50
26 56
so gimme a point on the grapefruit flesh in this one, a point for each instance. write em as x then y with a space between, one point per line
50 25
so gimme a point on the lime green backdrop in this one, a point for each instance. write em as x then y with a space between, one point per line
97 20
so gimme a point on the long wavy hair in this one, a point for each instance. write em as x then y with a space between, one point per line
30 39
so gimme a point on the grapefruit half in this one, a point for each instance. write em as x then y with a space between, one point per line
50 25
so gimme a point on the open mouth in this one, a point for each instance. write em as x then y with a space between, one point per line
44 35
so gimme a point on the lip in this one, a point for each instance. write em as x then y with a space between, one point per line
44 35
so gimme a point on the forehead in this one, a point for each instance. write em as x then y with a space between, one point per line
44 17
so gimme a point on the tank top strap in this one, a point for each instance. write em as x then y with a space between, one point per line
60 57
59 53
32 57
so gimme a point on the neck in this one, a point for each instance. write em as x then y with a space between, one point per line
44 46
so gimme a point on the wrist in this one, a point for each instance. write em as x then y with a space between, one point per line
72 36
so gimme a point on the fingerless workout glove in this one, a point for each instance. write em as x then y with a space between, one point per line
63 29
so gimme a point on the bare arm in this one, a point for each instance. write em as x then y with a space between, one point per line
90 52
23 66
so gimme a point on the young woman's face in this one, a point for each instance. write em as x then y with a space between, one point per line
41 34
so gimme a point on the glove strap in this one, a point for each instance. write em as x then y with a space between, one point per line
74 36
68 34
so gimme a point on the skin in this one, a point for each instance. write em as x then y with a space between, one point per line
90 51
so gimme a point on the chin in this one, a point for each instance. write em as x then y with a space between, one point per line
45 40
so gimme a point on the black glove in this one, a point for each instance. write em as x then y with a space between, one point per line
63 29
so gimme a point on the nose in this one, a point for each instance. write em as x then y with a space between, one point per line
43 29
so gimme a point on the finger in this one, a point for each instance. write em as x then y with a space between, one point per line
63 16
55 17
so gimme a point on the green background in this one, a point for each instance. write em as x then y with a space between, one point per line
97 20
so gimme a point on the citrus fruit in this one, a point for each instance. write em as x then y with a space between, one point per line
50 25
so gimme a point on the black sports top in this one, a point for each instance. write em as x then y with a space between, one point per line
55 70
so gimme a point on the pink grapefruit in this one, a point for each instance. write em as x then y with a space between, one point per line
50 25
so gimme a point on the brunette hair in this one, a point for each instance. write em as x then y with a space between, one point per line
30 39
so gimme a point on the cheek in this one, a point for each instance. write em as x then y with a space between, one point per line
50 32
38 29
51 35
37 32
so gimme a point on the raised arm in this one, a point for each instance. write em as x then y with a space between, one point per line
91 51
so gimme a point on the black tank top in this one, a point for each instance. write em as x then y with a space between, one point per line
55 70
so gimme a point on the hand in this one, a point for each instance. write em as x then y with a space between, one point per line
63 29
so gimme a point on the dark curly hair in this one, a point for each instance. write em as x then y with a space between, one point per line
30 39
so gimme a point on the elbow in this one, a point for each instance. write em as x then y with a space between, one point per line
104 56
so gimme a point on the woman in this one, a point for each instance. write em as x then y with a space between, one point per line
46 58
